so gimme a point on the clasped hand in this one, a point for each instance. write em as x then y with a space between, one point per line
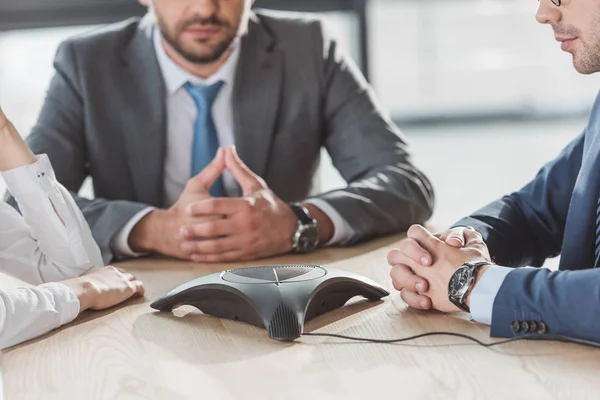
202 228
424 263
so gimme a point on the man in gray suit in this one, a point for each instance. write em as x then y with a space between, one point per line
152 108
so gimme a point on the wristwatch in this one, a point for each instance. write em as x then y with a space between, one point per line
306 237
462 282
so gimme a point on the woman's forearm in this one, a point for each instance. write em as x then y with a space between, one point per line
14 152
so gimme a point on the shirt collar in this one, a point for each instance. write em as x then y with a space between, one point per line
175 76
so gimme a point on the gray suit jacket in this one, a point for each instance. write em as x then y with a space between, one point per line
105 117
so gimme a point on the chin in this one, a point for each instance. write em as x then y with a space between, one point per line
585 68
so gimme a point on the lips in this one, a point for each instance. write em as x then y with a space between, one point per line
566 43
203 31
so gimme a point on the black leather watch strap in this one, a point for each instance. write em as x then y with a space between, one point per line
302 213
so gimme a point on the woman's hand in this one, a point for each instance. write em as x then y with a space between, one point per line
104 287
14 152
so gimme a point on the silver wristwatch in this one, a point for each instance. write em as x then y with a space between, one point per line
461 283
306 237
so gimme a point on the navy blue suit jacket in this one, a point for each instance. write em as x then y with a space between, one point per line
554 214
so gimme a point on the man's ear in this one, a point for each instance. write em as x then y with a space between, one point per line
144 2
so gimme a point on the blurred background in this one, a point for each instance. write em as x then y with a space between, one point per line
483 93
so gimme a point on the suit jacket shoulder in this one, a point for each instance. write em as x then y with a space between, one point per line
97 41
299 35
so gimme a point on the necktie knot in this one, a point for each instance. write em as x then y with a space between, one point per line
204 96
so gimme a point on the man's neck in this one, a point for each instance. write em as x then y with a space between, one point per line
200 70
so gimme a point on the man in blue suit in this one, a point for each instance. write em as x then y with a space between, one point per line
557 213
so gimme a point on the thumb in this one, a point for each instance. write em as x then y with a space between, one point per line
248 180
472 238
205 179
454 237
3 119
427 241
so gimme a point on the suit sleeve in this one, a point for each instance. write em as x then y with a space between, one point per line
386 193
60 133
566 301
527 227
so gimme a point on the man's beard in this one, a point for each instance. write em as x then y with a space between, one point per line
587 61
217 52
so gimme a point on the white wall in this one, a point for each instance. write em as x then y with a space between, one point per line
444 57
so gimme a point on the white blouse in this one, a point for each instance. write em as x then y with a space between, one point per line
51 242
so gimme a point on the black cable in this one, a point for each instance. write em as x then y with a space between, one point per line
462 336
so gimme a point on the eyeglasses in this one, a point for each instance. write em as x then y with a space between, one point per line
555 2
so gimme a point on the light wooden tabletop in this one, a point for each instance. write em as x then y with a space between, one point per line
133 352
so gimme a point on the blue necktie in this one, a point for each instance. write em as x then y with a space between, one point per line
206 141
597 247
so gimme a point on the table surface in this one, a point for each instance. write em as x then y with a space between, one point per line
133 352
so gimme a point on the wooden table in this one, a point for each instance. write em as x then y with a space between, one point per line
132 352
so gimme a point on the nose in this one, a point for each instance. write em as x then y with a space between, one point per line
204 8
548 13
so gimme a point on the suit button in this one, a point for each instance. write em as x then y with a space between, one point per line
542 328
524 326
516 326
533 326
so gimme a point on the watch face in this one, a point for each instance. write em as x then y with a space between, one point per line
458 282
308 239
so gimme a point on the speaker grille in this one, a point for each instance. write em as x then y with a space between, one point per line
262 273
292 271
284 324
278 274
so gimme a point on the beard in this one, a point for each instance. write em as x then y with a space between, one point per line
211 53
587 59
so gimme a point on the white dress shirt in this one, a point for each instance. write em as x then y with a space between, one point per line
41 246
485 292
181 118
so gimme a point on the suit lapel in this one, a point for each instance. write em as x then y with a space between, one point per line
580 230
145 117
257 96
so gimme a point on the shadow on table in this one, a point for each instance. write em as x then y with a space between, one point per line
203 339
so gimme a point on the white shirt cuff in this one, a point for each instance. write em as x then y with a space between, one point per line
31 178
120 242
484 293
66 302
342 231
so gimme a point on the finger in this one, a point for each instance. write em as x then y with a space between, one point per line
425 239
140 290
3 119
473 238
415 300
404 278
214 206
454 237
117 269
205 179
230 256
248 180
128 277
410 248
209 229
212 246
